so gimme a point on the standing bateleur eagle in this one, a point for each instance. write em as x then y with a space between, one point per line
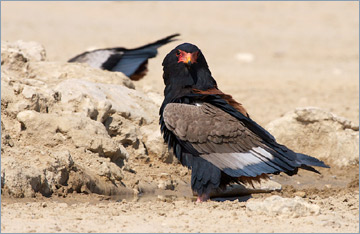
131 62
212 134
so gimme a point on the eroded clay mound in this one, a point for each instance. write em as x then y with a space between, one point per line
68 127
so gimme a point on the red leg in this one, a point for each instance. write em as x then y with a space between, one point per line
203 197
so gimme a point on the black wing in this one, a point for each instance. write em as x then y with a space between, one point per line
227 141
131 62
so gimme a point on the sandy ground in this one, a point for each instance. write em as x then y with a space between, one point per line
301 54
95 215
338 202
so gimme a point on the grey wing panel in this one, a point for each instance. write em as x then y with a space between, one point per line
203 125
94 58
224 141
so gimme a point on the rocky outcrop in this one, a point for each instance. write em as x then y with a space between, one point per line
69 127
318 133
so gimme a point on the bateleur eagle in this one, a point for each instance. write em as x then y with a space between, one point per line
131 62
212 134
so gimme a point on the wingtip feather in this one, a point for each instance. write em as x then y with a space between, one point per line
310 161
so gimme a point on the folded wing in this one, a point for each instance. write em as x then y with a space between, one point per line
226 142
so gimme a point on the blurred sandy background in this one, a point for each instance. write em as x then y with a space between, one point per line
271 56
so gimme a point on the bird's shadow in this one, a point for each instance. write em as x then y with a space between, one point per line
240 198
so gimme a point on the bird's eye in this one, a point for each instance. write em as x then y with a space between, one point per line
177 53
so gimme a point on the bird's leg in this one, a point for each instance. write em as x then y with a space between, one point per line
203 197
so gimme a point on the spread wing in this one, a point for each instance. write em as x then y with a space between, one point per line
97 58
131 62
223 140
134 61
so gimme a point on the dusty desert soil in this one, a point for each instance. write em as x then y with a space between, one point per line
338 202
339 213
303 54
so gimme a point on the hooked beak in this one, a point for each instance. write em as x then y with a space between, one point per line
188 60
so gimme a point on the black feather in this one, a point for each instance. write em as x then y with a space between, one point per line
180 81
111 62
310 161
131 62
204 176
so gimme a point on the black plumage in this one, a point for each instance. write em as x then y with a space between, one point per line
131 62
212 134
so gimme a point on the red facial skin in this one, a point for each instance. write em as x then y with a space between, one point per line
187 58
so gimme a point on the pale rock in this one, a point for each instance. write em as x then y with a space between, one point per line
121 128
33 82
300 194
33 99
287 207
155 97
104 110
128 113
15 108
30 50
15 56
84 132
58 173
45 173
54 72
29 92
128 133
165 182
154 142
128 102
318 133
6 139
13 61
147 187
7 94
114 124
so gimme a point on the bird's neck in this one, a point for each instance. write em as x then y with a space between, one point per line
184 81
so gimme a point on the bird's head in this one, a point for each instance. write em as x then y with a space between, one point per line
186 67
187 54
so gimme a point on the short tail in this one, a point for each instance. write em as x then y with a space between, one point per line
307 162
